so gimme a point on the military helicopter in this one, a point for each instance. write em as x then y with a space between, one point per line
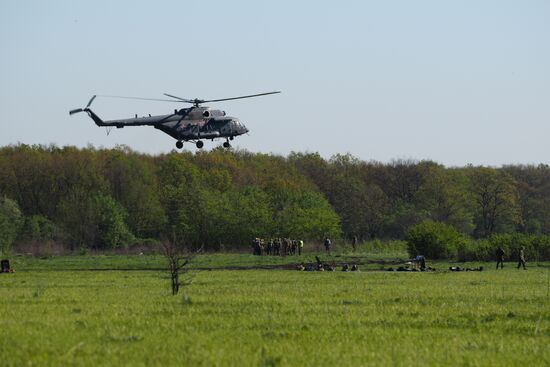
187 124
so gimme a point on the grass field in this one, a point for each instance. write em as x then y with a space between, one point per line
53 314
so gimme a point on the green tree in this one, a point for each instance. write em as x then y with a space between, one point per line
11 220
444 196
495 201
112 231
38 228
133 184
308 216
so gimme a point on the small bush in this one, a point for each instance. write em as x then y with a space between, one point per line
435 240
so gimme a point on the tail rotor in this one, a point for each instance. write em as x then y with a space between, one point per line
77 110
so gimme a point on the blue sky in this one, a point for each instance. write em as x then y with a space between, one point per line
456 82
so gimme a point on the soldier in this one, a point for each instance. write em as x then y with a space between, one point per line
300 247
255 246
420 261
500 257
327 245
277 246
262 246
521 257
269 249
354 243
289 247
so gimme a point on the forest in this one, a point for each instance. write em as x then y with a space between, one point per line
103 199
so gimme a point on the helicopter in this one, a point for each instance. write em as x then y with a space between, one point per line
190 124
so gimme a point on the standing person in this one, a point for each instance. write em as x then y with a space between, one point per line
521 257
278 246
262 243
294 246
500 257
354 243
300 247
270 247
255 246
327 245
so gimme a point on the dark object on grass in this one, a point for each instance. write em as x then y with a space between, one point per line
321 266
475 269
5 266
345 267
458 268
354 267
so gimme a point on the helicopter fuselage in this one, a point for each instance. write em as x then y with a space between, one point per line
186 124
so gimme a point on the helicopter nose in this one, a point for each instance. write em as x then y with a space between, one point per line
239 127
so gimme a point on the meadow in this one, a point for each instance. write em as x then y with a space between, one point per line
118 310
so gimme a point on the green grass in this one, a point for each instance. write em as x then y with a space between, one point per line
57 316
158 262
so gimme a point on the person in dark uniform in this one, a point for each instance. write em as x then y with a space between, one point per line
5 264
354 243
327 245
521 257
500 257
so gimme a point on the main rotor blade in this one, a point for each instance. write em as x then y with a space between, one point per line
181 99
140 98
249 96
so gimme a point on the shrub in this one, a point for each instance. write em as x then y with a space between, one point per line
537 247
435 240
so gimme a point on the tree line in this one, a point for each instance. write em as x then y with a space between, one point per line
111 198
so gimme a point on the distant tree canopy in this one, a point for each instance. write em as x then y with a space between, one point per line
111 198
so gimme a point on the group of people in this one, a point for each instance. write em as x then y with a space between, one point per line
277 247
520 254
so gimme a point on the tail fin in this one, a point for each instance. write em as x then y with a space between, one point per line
97 120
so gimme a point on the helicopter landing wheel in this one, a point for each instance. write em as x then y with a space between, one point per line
179 144
200 144
226 144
